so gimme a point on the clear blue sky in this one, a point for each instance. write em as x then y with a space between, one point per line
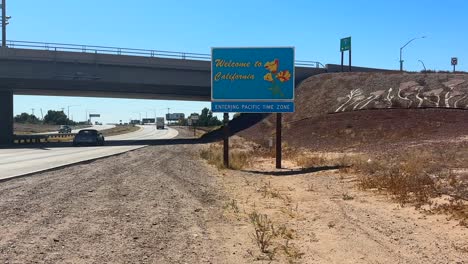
378 30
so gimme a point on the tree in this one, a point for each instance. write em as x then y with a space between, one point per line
26 118
182 122
207 119
56 118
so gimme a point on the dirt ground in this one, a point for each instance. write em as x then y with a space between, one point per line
163 204
331 221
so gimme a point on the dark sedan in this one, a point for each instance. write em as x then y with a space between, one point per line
88 137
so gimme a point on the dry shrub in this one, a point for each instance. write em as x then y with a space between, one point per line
266 236
263 230
307 161
456 207
214 155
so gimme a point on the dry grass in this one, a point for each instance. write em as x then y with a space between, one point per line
415 177
119 130
238 158
419 177
307 159
408 179
60 139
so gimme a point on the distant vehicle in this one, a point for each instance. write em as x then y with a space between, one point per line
65 129
88 137
160 123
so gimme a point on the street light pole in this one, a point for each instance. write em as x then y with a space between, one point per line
4 23
86 114
401 50
68 111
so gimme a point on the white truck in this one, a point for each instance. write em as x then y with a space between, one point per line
160 123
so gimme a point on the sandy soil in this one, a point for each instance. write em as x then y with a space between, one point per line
331 221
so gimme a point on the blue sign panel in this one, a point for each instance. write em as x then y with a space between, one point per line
252 107
252 75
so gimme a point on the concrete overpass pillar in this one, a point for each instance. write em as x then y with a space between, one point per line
6 118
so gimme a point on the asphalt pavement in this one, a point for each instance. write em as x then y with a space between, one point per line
16 162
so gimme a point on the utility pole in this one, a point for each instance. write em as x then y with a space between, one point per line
32 111
4 23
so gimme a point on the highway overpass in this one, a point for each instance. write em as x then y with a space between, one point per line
32 68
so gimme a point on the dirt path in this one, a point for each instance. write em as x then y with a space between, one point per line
153 205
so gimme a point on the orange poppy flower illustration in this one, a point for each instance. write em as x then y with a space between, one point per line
283 76
268 77
274 75
272 66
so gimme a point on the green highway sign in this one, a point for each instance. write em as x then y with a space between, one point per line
345 44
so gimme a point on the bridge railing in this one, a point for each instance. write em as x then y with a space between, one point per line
106 50
127 51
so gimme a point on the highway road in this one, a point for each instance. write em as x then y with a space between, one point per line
20 161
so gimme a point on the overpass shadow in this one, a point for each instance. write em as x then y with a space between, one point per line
295 172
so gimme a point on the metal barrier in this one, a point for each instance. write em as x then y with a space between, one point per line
34 139
29 139
127 51
61 135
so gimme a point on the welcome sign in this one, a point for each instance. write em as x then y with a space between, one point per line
252 80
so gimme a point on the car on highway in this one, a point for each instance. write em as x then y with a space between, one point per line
65 129
88 137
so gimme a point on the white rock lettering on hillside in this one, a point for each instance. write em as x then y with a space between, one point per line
410 94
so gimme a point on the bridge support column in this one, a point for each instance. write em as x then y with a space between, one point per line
6 118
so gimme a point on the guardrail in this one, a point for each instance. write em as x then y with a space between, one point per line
128 51
35 139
